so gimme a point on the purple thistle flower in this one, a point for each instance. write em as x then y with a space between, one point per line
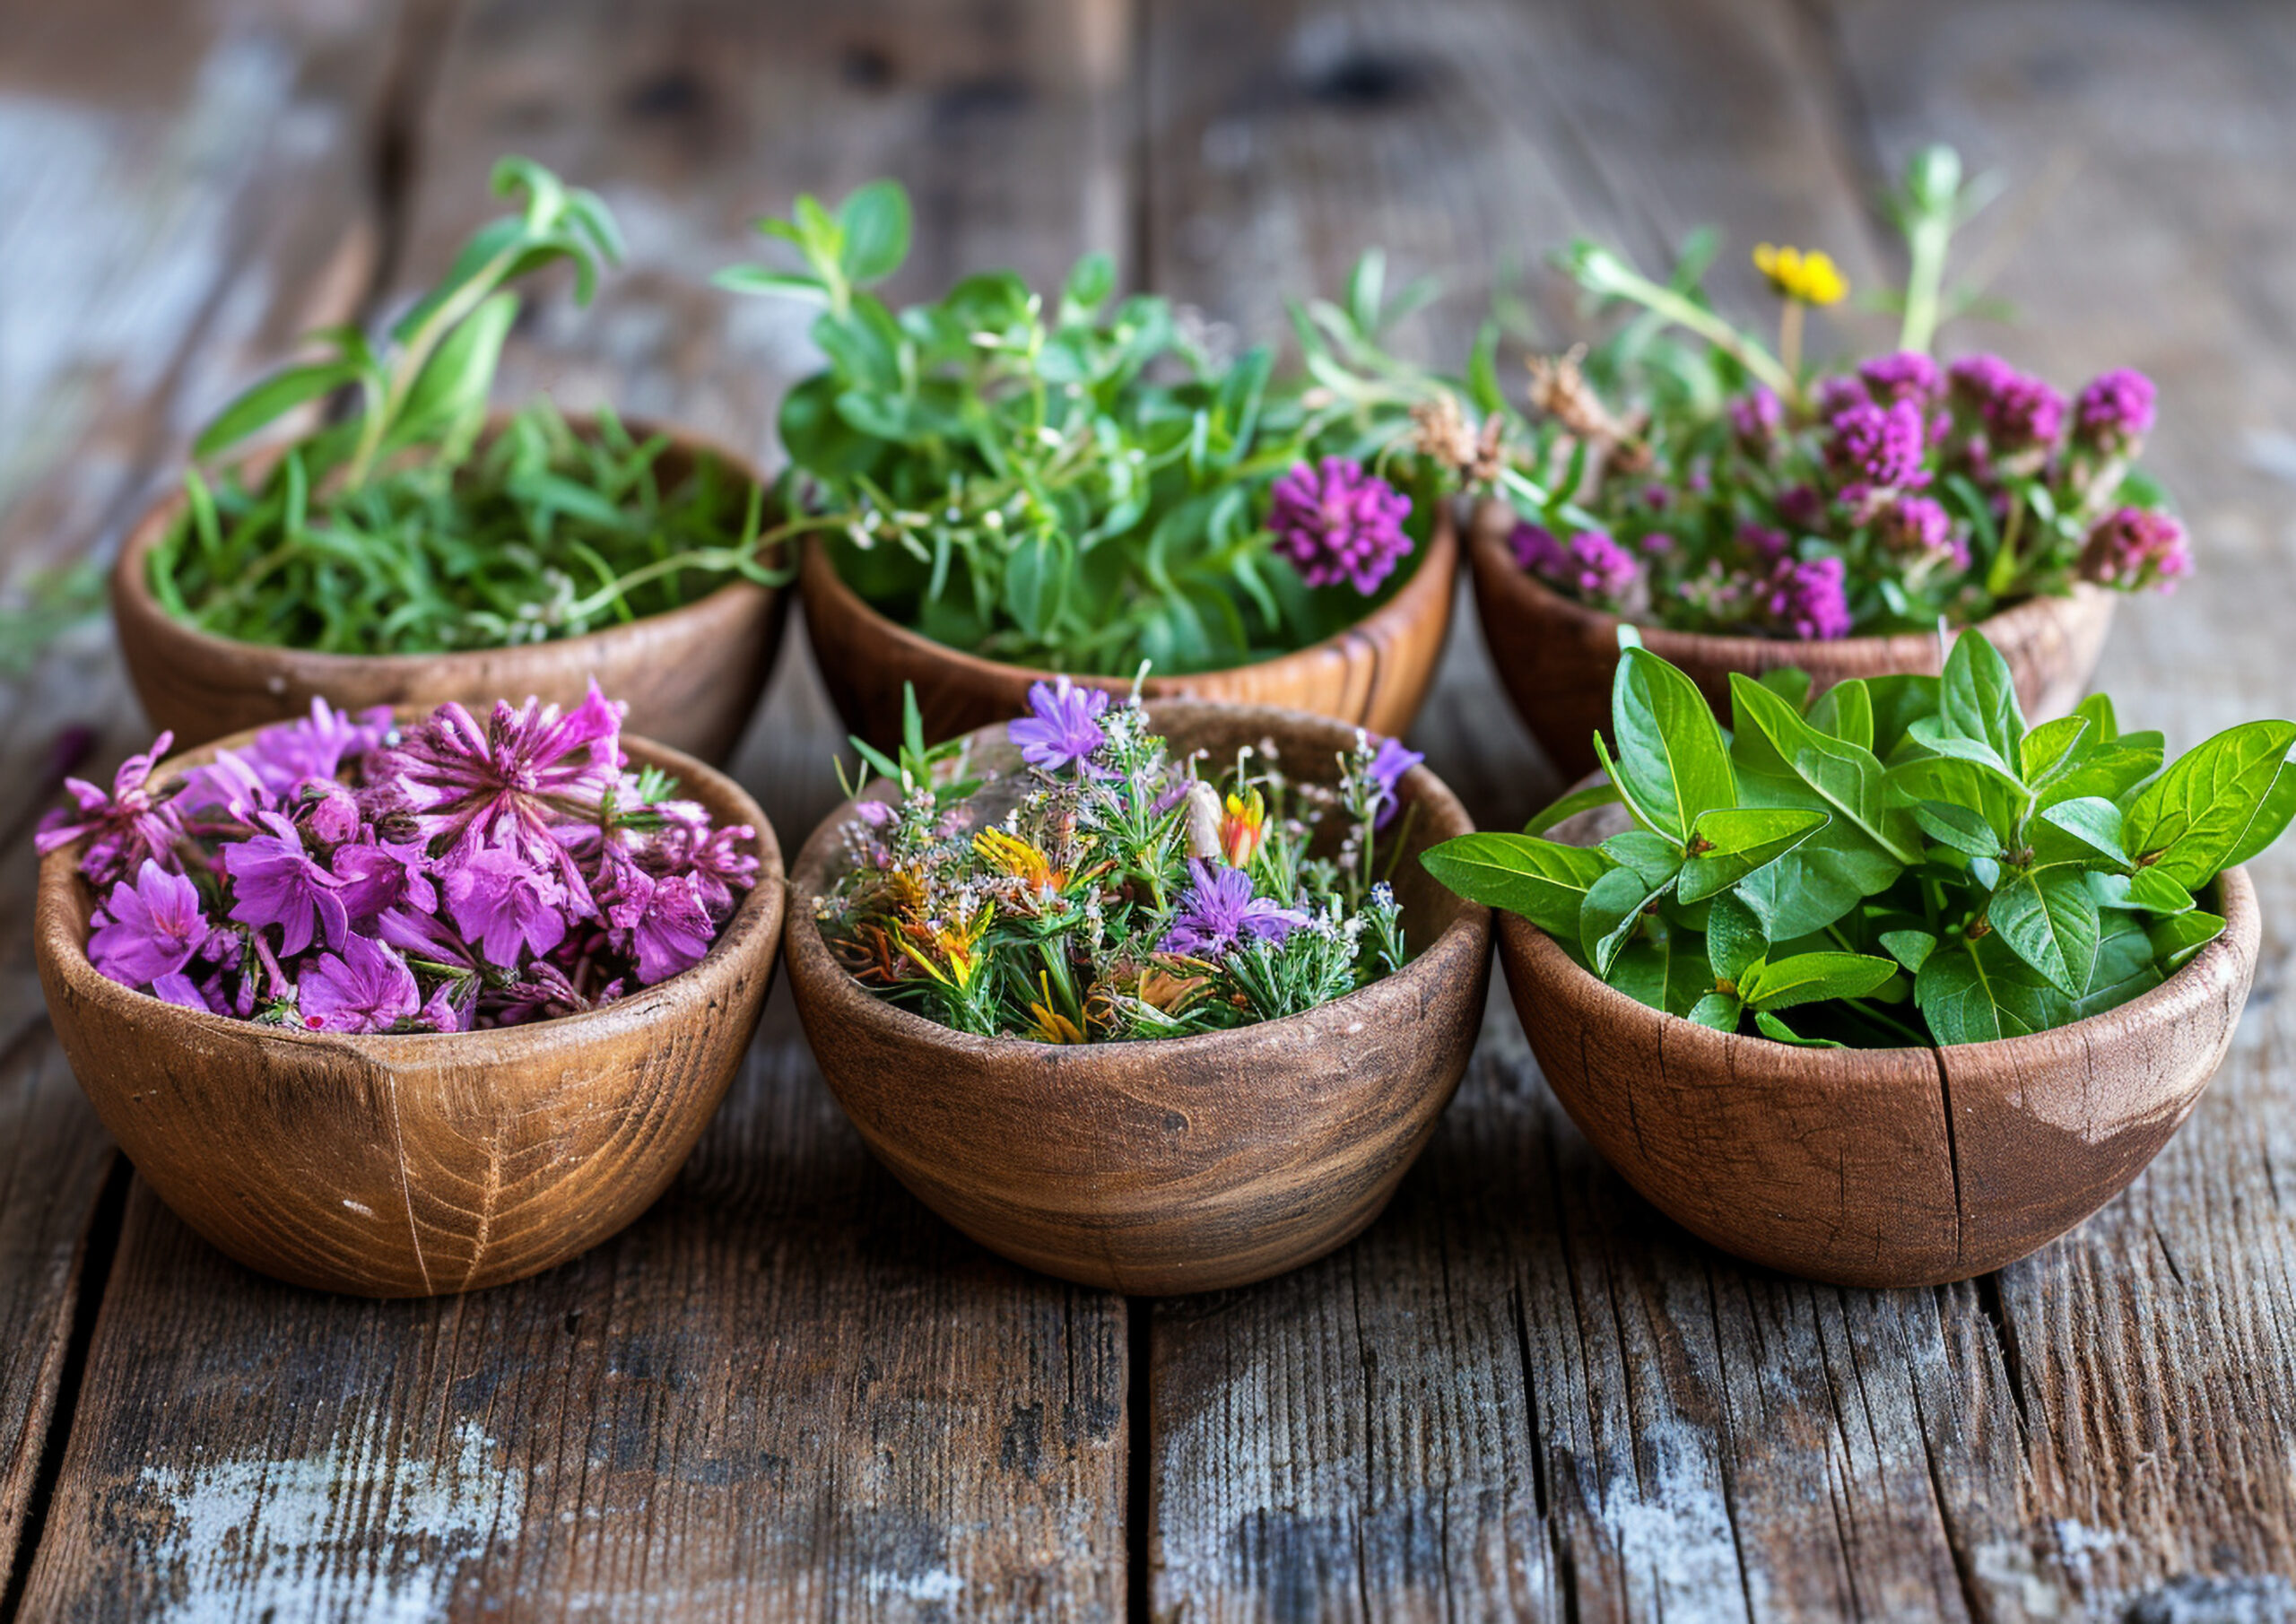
2134 547
149 929
124 828
367 989
2114 412
1218 911
1906 375
504 904
379 874
532 780
274 882
1805 597
663 924
1065 729
1878 447
1386 770
1337 523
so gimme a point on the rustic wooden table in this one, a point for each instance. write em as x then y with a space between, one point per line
789 1391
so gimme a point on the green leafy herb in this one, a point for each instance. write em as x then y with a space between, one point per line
1081 481
1948 889
392 529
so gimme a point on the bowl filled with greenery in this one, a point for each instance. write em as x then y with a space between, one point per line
414 548
1885 987
401 1005
1001 486
1155 998
1747 513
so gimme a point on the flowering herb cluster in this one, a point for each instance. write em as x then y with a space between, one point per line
392 530
1108 890
1901 860
1085 483
339 875
1742 494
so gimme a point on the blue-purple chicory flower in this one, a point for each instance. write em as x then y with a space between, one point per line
1064 726
1337 523
1218 911
1388 765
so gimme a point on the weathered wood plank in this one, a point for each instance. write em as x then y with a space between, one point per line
178 187
2153 1349
789 1390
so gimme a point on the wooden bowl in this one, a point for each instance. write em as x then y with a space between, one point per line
1557 658
1178 1165
1374 674
1907 1167
414 1166
691 675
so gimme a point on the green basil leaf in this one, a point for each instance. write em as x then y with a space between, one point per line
2124 965
1672 759
2206 805
1942 781
1834 776
1571 806
2109 769
1977 697
2271 817
1937 734
1653 856
1732 842
1790 683
2050 749
1977 992
1612 912
874 221
2175 940
1898 701
1544 880
1815 977
1667 975
2048 919
2083 829
1717 1009
1963 827
1846 712
1778 1031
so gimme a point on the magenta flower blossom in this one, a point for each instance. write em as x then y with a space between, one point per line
1756 417
504 905
2134 547
1916 527
1218 911
2020 412
149 929
1763 544
531 780
367 989
1592 567
1064 728
1337 523
1802 506
178 988
314 746
1907 375
718 863
330 811
1386 770
2114 413
274 882
1806 598
1878 448
229 784
124 828
663 924
1536 550
379 874
440 1013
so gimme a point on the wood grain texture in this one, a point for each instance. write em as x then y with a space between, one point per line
1181 1165
691 676
1557 658
1374 674
401 1166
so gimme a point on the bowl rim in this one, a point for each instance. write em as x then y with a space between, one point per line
820 584
1469 932
1892 650
133 599
2223 963
65 897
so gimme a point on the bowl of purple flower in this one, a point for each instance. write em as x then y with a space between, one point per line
1155 998
1747 512
402 1005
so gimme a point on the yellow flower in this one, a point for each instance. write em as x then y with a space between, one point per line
1810 279
1051 1025
955 945
1243 829
1018 858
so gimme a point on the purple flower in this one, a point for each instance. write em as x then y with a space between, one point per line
2134 548
124 828
2020 412
2114 413
441 1013
1756 417
367 989
330 811
663 923
1907 375
227 782
1337 523
1218 911
716 860
1915 527
314 746
274 882
1593 566
1836 393
1386 770
504 904
1805 597
1879 447
1655 545
379 874
1536 550
1064 729
178 988
150 929
1802 506
531 780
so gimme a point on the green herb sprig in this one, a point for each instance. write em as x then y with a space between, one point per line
1080 483
1901 860
392 529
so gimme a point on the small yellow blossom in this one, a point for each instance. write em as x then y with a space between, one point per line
1810 279
1051 1026
1023 861
1242 828
955 944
